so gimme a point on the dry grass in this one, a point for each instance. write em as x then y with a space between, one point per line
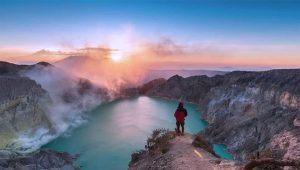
157 143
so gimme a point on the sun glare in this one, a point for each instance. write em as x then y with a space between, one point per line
116 56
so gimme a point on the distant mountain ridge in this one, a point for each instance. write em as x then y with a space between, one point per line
14 69
155 74
74 62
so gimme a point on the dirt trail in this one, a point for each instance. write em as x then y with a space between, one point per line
182 155
185 156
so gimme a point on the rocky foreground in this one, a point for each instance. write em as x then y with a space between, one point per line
255 114
38 160
166 150
179 153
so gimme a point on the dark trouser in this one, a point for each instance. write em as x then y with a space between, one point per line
178 124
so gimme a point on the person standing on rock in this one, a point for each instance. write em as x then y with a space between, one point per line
180 115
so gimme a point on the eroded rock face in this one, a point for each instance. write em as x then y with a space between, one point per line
245 119
22 108
288 141
247 111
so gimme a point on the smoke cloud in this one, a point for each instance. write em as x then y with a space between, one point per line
70 98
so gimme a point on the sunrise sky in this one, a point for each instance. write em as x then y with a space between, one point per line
172 33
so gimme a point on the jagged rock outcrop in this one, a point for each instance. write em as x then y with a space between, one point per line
39 160
247 111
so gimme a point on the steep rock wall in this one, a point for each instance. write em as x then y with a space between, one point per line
22 108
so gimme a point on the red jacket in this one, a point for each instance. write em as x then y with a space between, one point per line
180 114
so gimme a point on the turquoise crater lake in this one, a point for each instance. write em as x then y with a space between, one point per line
118 128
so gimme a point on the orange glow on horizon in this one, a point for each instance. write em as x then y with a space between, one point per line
117 56
126 49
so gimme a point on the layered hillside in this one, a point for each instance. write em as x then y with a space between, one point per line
22 105
247 111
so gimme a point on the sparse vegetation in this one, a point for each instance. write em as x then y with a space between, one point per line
159 141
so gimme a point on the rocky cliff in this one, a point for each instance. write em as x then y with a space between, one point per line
255 112
247 111
22 105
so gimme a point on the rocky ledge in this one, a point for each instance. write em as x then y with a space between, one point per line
167 151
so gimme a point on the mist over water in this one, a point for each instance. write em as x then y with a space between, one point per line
118 128
65 108
58 84
75 85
